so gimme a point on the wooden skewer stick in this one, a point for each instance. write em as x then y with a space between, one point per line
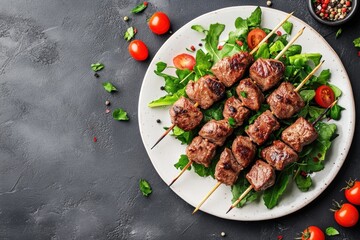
271 33
182 171
251 187
290 43
206 197
309 76
240 198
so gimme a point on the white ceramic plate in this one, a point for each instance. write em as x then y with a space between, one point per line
193 188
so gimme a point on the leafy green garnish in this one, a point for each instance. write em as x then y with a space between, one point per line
139 8
215 112
262 52
331 231
239 187
109 87
302 59
185 137
120 115
287 26
212 40
183 160
303 183
335 112
145 187
276 47
199 28
255 18
243 94
338 32
129 34
167 100
97 66
307 95
357 42
160 66
336 90
232 122
203 63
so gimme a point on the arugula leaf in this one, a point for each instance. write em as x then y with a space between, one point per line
129 34
145 187
203 63
109 87
303 183
239 187
255 18
183 161
336 90
199 28
272 195
120 115
262 52
287 26
139 8
335 112
338 33
97 66
357 42
160 66
330 231
167 100
307 95
185 137
212 40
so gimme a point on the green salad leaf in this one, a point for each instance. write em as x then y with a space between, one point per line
331 231
255 18
182 162
120 115
129 34
287 26
239 187
97 67
139 8
167 100
145 187
357 42
109 87
303 183
185 137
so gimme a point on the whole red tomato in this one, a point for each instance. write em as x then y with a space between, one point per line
313 233
347 215
138 50
159 23
352 192
184 61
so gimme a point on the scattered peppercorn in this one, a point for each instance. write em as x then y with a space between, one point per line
268 3
95 139
170 32
358 53
219 47
192 48
146 3
332 10
240 43
200 44
158 120
223 234
96 75
278 33
107 102
107 111
126 18
162 88
280 237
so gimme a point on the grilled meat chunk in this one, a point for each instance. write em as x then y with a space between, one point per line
262 127
233 108
250 94
244 150
229 70
299 134
185 115
227 169
261 176
284 101
267 72
205 91
279 155
201 151
216 131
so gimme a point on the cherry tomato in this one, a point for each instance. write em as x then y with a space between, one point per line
184 61
138 50
352 192
159 23
347 215
324 96
254 37
313 233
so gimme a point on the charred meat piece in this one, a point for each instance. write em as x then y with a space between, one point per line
227 169
279 155
284 101
185 115
250 94
201 151
262 127
229 70
233 108
205 91
299 134
267 72
216 131
244 150
261 176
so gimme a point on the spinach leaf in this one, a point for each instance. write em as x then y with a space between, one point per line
109 87
336 90
335 112
255 18
287 26
262 52
183 160
160 66
120 115
330 231
185 137
145 187
307 95
303 183
139 8
276 47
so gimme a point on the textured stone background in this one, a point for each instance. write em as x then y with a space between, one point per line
55 182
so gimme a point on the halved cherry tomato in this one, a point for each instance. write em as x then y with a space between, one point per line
138 50
184 61
159 23
324 96
352 192
254 37
313 233
347 215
